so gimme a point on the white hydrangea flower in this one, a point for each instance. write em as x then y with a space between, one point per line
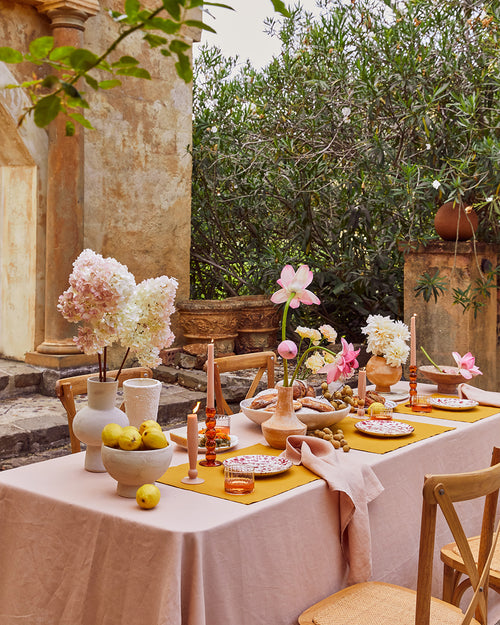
396 353
387 338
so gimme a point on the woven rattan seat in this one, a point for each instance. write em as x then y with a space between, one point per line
375 603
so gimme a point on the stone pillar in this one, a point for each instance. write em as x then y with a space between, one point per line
65 186
442 326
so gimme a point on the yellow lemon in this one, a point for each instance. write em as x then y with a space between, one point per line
376 407
150 423
148 496
110 434
153 438
129 439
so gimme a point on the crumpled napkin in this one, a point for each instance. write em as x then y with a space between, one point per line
485 398
356 484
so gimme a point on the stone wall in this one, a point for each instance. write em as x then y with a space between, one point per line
137 196
444 327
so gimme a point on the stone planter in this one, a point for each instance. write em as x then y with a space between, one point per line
258 323
205 320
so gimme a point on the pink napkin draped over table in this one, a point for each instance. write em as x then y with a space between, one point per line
357 486
484 398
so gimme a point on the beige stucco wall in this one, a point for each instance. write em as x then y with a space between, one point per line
137 204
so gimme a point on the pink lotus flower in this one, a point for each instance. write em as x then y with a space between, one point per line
466 365
287 349
294 283
344 363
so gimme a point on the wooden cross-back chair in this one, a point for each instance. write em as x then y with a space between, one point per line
68 388
263 361
454 567
377 603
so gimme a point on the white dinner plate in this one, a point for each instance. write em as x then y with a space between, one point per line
395 395
452 403
262 464
382 427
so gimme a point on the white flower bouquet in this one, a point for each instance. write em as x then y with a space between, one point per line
387 338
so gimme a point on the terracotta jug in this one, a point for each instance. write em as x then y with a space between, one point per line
381 374
284 422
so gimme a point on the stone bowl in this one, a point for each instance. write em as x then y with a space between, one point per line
446 382
132 469
312 418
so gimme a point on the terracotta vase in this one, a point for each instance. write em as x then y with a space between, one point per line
453 223
90 420
284 422
381 374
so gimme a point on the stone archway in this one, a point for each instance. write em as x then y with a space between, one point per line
23 156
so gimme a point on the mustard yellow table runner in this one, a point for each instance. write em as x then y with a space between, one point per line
380 445
265 487
463 416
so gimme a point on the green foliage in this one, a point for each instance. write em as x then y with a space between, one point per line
70 65
328 156
430 286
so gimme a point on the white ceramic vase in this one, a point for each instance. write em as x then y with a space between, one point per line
91 419
142 397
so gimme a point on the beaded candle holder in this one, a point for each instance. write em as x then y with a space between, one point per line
210 434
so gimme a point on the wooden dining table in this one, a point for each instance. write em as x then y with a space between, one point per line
75 553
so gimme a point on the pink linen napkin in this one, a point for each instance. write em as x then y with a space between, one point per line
485 398
356 484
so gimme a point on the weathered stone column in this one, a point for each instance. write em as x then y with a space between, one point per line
65 186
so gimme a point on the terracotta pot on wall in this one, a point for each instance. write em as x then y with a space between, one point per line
455 222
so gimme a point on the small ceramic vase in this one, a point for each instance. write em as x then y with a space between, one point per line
91 419
284 422
142 397
381 374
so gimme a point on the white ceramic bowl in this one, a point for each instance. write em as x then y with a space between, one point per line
312 418
132 469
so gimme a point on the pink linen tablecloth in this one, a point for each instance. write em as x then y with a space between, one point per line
74 553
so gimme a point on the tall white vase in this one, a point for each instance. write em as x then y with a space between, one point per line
91 419
142 397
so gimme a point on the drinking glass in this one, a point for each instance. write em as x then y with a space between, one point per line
223 423
421 403
239 479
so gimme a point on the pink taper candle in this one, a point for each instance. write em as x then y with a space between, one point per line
210 376
192 445
413 339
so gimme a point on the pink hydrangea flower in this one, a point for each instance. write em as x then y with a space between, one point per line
292 282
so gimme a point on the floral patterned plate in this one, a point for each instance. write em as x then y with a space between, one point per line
380 427
452 403
262 464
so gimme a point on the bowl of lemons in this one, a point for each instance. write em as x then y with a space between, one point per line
135 456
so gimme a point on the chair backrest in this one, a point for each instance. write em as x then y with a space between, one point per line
444 491
263 361
67 388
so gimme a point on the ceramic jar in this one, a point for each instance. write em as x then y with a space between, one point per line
142 397
91 419
284 422
381 374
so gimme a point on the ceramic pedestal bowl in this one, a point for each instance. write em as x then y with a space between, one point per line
312 418
446 382
132 469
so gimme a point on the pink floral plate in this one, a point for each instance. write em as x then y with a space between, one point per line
380 427
452 403
262 465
